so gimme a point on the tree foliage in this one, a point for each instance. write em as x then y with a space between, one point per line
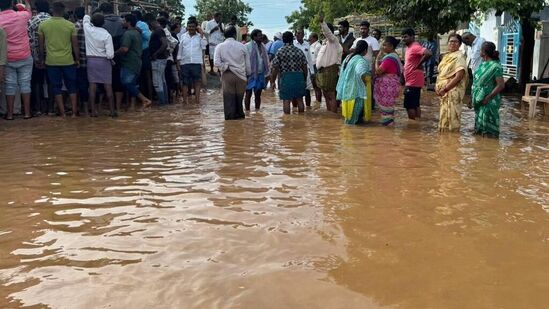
522 9
437 16
307 15
228 8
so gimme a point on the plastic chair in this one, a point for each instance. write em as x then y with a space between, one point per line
541 96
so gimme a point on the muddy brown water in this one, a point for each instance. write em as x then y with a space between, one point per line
176 208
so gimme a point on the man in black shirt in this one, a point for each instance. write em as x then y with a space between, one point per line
158 47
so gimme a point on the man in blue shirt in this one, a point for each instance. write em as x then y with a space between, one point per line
277 44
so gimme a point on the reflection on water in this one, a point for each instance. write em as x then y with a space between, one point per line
178 208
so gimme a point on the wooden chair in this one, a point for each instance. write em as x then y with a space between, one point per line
541 96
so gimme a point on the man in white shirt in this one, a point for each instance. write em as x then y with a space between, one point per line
99 52
232 59
190 59
300 43
373 44
215 30
473 51
313 51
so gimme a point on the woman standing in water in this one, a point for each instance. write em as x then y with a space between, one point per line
387 85
450 86
351 86
487 85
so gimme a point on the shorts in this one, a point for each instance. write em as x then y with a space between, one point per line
59 74
18 75
191 73
412 97
327 78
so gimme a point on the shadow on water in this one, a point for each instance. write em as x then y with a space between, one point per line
178 208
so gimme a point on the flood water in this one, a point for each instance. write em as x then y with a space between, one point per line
176 208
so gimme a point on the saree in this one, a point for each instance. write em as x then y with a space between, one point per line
452 102
387 89
484 82
352 90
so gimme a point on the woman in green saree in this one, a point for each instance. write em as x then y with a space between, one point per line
351 86
487 85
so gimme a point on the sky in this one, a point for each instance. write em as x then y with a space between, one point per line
267 15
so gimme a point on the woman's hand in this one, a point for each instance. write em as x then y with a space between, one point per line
485 101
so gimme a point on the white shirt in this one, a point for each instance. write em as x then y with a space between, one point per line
473 54
233 56
305 47
98 40
190 49
313 51
373 46
216 37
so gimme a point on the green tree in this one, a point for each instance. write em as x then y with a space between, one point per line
228 8
307 15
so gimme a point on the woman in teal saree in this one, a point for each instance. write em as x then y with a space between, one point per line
487 85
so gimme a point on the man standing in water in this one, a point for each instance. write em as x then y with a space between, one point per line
414 75
313 51
327 63
259 62
233 60
305 48
130 51
59 43
214 28
114 25
189 56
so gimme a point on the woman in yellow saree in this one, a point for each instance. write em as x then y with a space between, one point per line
351 87
451 84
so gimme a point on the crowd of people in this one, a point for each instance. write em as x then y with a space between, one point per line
92 56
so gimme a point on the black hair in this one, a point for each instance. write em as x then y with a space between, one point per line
457 36
376 29
148 17
331 27
254 33
361 47
288 37
106 8
489 50
162 21
42 6
138 14
58 8
230 32
217 14
365 23
131 19
173 27
392 40
408 31
79 12
344 23
164 14
192 21
98 20
5 4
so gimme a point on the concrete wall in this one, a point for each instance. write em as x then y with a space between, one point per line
541 51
